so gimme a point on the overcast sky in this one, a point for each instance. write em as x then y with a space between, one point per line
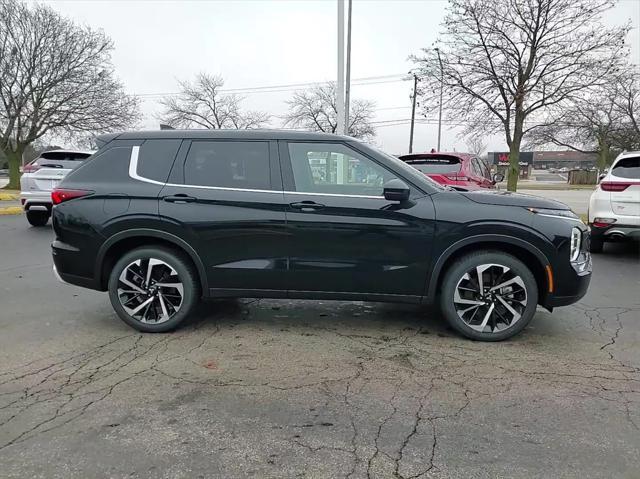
273 42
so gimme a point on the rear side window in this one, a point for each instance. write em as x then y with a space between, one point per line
156 158
627 168
228 164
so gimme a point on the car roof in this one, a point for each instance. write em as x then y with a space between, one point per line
258 134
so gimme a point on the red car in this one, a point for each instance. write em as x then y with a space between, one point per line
459 170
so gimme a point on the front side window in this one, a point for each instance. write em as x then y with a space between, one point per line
228 164
335 169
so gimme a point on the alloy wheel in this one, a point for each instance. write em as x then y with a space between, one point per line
490 298
150 291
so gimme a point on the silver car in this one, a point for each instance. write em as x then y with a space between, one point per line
41 176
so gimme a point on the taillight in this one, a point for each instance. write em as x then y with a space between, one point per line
603 222
60 195
614 185
31 168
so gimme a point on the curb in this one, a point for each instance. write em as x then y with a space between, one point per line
9 197
10 210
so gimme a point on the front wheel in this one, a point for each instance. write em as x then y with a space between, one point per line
154 289
488 296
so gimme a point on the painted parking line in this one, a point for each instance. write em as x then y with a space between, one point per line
10 210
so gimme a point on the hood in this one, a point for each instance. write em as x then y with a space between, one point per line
507 198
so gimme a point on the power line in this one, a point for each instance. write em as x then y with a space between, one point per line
374 80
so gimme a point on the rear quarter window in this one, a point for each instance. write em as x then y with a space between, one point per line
156 157
627 168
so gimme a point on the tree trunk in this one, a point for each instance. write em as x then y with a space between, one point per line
603 153
514 150
514 167
14 159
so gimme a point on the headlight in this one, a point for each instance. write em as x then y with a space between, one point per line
555 213
576 239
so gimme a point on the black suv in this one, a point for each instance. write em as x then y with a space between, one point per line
161 219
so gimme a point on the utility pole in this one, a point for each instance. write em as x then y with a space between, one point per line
340 82
347 94
440 106
413 111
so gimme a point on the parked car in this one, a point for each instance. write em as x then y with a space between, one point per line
614 206
41 176
162 219
458 170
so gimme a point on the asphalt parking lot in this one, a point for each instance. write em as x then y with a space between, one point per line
311 389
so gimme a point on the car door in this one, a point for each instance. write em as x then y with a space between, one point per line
225 198
344 236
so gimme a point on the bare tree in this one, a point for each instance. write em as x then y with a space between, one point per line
602 119
476 145
203 104
503 63
316 110
56 78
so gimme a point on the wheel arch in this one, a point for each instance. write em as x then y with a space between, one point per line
531 255
125 241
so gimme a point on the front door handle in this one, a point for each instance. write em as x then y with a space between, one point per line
179 198
306 206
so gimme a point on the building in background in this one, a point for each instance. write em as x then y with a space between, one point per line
541 160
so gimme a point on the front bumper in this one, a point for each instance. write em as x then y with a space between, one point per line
579 288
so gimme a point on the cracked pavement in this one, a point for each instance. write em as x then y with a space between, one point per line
276 388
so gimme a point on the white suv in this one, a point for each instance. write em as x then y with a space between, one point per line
41 176
614 207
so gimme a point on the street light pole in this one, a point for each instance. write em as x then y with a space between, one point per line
413 111
340 82
347 94
440 106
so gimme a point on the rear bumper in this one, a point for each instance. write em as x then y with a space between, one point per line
65 257
616 232
36 199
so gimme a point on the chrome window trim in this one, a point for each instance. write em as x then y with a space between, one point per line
133 173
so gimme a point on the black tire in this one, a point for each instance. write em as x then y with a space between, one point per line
186 274
468 263
38 218
596 244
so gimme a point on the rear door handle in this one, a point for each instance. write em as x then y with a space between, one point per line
306 206
180 198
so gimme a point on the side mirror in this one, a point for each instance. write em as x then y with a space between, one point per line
396 190
601 177
498 177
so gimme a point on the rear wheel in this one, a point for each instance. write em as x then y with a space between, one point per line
37 218
153 289
489 296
